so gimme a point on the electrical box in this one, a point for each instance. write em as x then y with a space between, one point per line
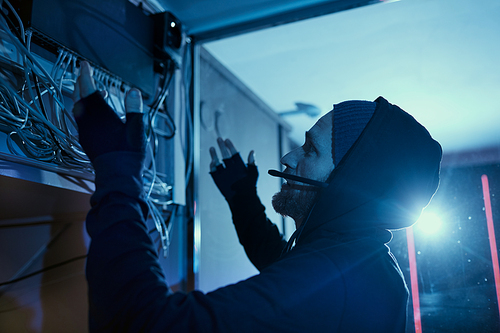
112 34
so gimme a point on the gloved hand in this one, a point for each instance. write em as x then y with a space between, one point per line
233 175
100 130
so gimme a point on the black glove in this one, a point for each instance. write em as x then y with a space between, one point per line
234 176
101 131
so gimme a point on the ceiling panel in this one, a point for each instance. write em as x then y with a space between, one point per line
208 19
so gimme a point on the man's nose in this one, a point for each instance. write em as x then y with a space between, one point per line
290 159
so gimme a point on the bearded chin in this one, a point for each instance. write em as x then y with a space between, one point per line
294 203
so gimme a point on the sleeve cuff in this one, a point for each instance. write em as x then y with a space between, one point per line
119 172
119 194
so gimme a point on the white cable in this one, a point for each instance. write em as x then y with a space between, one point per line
51 140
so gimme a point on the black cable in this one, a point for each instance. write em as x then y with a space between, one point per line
39 93
43 270
21 225
169 74
14 28
154 108
172 126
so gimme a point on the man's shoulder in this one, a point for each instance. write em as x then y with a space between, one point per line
350 254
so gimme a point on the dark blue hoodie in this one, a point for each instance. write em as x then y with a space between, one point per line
340 277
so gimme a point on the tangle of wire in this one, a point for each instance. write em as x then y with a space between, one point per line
34 116
157 190
39 125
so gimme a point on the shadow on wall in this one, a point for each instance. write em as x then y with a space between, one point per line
15 317
50 292
63 292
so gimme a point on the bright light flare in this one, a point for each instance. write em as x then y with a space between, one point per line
429 222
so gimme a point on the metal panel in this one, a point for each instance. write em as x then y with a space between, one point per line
209 20
113 34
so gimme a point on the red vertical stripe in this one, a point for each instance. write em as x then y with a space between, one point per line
414 280
491 235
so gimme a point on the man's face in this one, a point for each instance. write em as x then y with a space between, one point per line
312 160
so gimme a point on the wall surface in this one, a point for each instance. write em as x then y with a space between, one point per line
230 110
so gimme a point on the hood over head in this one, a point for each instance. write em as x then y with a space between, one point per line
386 177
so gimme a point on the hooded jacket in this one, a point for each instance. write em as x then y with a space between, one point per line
340 276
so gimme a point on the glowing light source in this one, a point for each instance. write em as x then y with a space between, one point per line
429 222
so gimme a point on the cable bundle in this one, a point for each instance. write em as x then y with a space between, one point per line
34 115
39 126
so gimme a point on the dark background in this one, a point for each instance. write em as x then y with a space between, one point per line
454 265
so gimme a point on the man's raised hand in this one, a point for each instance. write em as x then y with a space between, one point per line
100 129
232 174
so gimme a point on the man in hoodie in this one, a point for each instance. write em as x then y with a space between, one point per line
335 275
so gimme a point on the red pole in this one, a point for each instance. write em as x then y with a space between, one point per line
414 280
491 236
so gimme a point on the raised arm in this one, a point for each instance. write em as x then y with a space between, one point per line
127 291
260 237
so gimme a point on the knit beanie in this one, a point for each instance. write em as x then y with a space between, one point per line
349 120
